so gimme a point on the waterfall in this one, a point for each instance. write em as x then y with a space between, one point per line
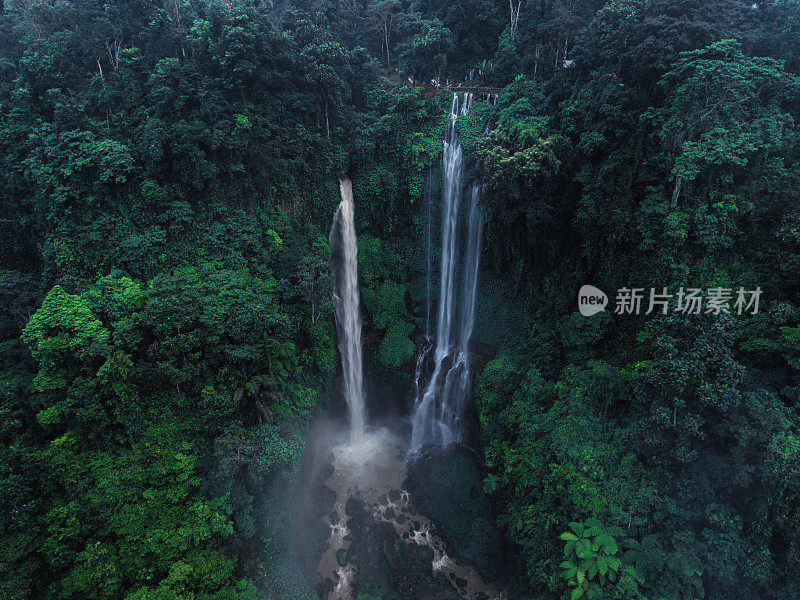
475 222
348 310
440 407
428 234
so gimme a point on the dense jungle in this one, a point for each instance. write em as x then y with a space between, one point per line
291 299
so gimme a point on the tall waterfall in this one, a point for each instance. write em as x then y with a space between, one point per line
428 234
348 310
439 408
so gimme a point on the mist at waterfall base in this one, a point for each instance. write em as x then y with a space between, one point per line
369 485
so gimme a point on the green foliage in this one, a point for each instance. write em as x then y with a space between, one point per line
157 535
385 301
372 594
396 349
551 458
70 345
167 176
592 561
408 140
520 149
426 53
720 127
472 126
580 336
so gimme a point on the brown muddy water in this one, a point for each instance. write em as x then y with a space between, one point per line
368 478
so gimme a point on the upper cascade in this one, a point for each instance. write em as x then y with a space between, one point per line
439 408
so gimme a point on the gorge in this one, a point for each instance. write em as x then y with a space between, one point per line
368 471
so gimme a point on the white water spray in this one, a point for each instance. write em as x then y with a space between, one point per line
348 310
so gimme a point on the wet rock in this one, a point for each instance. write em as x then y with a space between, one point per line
341 558
323 588
389 561
480 354
437 481
352 506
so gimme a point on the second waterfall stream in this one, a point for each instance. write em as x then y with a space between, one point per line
440 404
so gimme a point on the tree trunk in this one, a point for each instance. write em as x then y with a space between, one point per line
386 41
514 16
676 191
558 43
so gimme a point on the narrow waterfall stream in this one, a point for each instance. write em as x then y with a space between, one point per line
428 242
348 310
439 406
